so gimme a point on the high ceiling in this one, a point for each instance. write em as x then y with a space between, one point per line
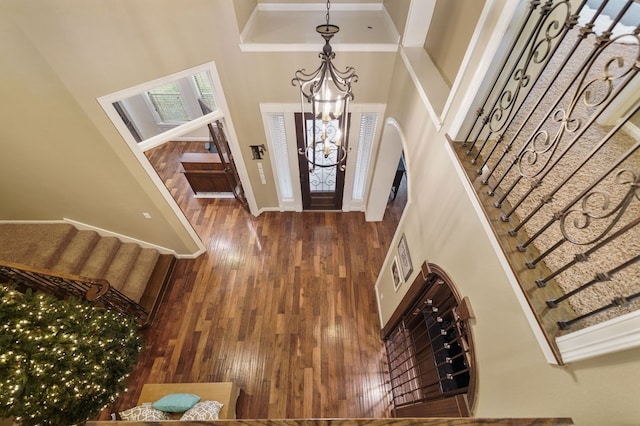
319 1
290 25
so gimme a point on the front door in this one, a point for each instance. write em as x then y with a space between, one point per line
323 187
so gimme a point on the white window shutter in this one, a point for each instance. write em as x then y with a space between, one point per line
280 157
368 123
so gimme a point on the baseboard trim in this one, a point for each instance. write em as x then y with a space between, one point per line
33 221
212 195
124 238
617 334
106 233
277 209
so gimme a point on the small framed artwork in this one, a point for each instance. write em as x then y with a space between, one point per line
395 272
405 258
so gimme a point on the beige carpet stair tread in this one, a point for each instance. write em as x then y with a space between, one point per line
140 273
100 258
76 252
121 264
33 244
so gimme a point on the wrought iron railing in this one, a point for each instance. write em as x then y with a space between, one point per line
554 154
63 286
429 348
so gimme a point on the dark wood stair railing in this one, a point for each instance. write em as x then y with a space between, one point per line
61 285
368 422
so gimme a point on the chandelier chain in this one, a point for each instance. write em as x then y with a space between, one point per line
328 7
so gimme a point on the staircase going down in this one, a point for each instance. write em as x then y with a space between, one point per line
139 273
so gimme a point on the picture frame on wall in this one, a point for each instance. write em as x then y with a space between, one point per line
405 258
395 273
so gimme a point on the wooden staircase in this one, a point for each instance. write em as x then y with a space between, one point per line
139 273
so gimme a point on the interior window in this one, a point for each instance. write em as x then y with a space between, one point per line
204 89
167 102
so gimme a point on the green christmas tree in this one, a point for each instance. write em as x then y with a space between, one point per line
61 361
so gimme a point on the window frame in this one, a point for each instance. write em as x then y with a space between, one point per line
158 116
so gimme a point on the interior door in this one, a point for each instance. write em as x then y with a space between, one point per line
323 187
221 143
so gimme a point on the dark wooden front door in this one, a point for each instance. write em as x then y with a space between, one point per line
322 187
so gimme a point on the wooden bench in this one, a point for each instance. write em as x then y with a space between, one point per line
224 392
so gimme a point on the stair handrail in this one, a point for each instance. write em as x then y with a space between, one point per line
63 285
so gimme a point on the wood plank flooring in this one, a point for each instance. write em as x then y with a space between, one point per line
282 304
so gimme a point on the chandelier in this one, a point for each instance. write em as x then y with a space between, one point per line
325 94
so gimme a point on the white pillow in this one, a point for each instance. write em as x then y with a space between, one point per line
143 412
205 410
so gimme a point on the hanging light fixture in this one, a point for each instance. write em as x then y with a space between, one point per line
325 93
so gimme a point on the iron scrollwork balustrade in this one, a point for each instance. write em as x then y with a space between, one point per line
549 196
574 125
585 31
585 217
598 278
548 122
539 52
617 302
590 209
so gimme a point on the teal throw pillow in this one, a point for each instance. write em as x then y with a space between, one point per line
176 402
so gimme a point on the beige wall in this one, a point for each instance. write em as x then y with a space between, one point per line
243 10
442 227
63 158
635 119
451 29
398 10
55 163
320 1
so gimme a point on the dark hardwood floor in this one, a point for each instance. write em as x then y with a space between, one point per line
282 304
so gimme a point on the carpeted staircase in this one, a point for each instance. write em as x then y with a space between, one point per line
139 273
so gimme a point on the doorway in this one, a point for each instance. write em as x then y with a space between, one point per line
322 187
219 146
203 82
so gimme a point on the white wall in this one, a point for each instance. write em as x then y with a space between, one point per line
390 151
